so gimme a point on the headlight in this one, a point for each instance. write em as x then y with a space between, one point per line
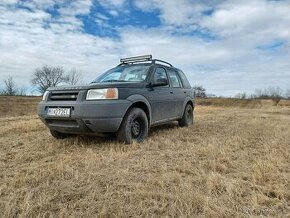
44 97
95 94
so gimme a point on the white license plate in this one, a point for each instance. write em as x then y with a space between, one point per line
58 112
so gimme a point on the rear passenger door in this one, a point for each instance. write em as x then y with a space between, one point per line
178 92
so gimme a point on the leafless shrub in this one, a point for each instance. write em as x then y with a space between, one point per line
241 95
199 91
22 91
48 76
274 93
10 87
73 77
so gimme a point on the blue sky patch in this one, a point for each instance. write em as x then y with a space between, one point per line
273 46
101 22
208 12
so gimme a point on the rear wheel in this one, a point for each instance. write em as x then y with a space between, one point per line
187 118
59 135
134 126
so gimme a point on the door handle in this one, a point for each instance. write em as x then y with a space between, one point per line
171 92
185 92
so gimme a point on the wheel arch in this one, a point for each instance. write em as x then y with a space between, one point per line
140 101
188 101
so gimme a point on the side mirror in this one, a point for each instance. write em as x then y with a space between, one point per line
160 82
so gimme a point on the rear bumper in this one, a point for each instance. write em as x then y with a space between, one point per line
87 117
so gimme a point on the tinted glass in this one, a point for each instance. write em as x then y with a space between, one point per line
133 73
185 82
174 79
160 73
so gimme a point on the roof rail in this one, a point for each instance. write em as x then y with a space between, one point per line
162 62
142 58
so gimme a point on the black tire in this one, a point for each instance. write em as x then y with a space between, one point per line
134 126
187 118
59 135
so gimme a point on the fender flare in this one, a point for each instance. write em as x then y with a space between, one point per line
140 98
188 99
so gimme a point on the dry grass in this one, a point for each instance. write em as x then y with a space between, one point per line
234 162
246 103
18 105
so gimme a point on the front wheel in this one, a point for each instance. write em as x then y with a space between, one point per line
187 118
134 126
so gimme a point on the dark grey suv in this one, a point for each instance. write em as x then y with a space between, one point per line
138 93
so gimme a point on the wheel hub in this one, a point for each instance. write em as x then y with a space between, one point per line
188 114
136 128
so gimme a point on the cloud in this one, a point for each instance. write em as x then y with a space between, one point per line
227 46
248 18
117 4
77 7
216 65
30 39
178 13
241 56
34 4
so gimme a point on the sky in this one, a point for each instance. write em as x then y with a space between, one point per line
227 46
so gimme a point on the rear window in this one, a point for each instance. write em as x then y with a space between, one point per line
185 81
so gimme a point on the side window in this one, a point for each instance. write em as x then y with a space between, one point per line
159 73
185 82
174 79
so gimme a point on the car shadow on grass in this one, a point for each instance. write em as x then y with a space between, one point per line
89 140
99 141
156 130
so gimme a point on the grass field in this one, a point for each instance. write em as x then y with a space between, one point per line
234 162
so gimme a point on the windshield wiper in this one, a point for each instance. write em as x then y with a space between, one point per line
113 80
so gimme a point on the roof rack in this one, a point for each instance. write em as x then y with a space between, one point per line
142 58
136 59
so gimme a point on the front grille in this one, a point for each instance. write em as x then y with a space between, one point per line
64 96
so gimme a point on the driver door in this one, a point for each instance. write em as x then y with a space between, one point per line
161 97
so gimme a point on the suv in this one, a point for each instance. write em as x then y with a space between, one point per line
138 93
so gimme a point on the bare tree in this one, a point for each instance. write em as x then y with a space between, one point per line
199 91
10 87
22 92
274 93
242 95
48 76
73 77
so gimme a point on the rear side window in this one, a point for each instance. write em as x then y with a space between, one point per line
185 82
174 79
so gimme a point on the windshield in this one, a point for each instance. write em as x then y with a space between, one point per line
131 73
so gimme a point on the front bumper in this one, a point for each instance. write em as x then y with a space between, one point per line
87 117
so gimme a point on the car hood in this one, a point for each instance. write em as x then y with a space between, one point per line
99 86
